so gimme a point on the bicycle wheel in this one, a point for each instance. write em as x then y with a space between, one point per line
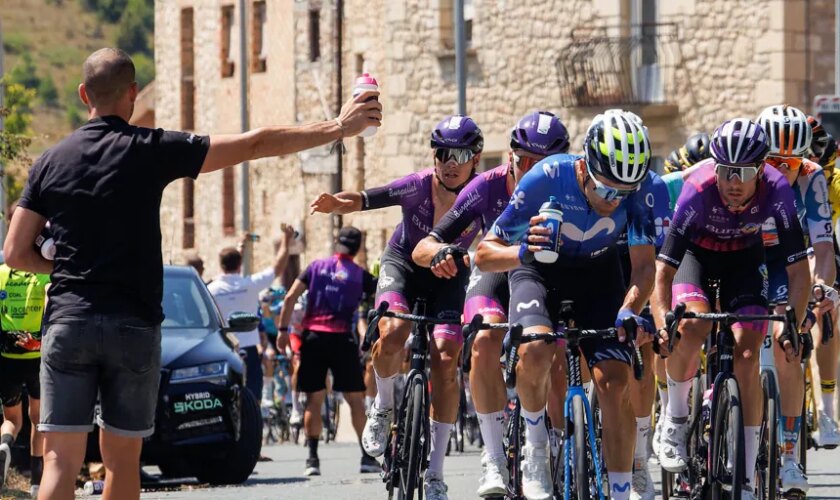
326 420
727 443
335 417
514 437
595 411
413 420
580 473
767 465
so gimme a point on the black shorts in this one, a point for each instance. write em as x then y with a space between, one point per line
488 294
595 285
742 277
336 352
402 282
14 374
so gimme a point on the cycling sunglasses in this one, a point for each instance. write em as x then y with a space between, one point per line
460 156
743 172
608 193
524 162
784 162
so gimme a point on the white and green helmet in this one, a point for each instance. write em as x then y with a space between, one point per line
617 146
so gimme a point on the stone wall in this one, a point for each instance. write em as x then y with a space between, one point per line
732 58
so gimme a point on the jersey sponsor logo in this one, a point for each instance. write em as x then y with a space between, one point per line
384 280
527 305
473 197
501 233
598 252
797 256
420 224
552 169
649 200
750 228
3 294
687 296
689 215
668 259
662 224
475 277
534 422
518 199
575 208
574 233
754 210
621 488
403 191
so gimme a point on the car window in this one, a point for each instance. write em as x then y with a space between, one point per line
184 305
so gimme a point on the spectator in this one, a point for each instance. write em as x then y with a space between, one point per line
335 286
101 189
194 260
236 293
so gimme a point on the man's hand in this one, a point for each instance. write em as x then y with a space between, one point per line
444 263
327 203
828 300
282 342
287 232
644 330
361 112
537 240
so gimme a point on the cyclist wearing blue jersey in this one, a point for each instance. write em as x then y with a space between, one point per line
716 235
424 197
599 195
535 136
790 137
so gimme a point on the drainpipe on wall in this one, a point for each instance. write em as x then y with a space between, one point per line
460 56
338 179
244 177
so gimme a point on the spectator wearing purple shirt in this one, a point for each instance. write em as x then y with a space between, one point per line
335 286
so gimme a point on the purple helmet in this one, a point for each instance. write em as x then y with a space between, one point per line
540 133
458 132
739 142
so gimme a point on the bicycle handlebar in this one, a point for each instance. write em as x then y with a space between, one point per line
372 333
828 326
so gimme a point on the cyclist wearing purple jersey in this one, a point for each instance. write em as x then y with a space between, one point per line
716 235
535 136
425 197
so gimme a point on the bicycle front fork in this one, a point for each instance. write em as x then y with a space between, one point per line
569 457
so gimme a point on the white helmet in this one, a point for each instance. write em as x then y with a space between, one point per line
617 146
787 129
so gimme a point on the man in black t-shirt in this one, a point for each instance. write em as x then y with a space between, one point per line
100 188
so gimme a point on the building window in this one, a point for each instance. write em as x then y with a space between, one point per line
188 212
259 46
228 64
314 35
228 211
447 23
489 161
187 71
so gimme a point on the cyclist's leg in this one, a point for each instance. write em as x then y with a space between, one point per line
557 391
295 342
530 308
682 364
370 382
268 364
743 289
826 356
446 300
311 380
487 295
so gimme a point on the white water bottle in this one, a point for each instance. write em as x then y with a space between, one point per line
552 211
364 83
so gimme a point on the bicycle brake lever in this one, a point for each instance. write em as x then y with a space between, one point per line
512 354
630 326
373 325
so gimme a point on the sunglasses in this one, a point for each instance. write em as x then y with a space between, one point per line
743 172
785 162
608 193
525 162
460 156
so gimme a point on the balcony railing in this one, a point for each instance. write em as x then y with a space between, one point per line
619 65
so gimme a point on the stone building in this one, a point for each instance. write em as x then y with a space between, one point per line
683 65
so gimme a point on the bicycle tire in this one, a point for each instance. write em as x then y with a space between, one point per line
514 452
325 419
727 417
595 411
580 474
768 462
411 474
336 418
804 433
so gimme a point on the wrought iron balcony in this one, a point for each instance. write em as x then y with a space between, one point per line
619 65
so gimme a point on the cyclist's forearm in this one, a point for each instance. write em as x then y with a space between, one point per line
642 276
493 255
799 280
825 269
660 301
355 197
425 251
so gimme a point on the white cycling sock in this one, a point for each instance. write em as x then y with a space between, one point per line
678 398
268 389
368 402
663 394
536 433
620 485
642 433
492 427
296 406
439 439
751 437
828 403
384 391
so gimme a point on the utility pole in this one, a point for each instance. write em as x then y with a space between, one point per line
338 180
836 47
244 175
461 56
2 171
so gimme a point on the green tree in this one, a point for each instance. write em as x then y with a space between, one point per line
47 91
17 114
135 26
24 73
145 69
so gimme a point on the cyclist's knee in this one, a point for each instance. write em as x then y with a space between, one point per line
611 377
447 355
393 334
487 347
695 331
536 357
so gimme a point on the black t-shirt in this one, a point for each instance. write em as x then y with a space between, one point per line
101 189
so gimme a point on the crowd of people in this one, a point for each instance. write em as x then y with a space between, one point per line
752 206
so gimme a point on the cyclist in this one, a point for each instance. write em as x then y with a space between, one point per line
23 297
335 286
824 152
535 136
790 136
295 341
600 194
271 301
716 234
425 197
678 165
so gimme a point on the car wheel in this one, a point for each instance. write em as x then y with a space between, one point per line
174 468
242 456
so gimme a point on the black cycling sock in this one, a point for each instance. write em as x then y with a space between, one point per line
37 466
312 443
7 439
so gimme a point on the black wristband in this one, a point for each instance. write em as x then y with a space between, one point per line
283 329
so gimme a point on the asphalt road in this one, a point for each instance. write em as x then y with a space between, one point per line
283 477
